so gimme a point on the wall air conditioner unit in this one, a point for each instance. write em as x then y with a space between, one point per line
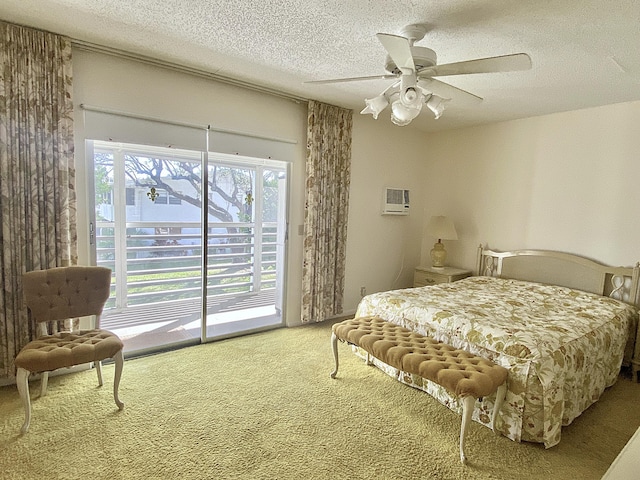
395 201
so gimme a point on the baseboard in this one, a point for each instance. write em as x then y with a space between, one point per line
342 316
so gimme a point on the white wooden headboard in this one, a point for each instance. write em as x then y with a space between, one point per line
564 269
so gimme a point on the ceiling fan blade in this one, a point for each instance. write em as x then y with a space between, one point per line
445 90
398 49
505 63
352 79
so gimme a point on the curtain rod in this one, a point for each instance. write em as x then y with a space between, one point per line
95 48
92 108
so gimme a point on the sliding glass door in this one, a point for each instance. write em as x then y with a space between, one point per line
245 244
149 228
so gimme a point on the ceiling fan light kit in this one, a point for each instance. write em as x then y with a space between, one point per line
413 69
402 114
407 103
375 105
437 104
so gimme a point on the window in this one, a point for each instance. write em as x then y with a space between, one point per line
131 196
159 254
161 199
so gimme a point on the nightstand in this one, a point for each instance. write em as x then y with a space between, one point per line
424 276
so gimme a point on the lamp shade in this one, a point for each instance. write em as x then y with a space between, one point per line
402 114
442 228
437 105
375 105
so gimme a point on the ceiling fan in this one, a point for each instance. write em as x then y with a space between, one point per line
413 68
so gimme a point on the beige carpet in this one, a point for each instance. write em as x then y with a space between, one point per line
264 407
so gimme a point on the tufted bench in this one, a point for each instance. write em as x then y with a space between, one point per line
463 374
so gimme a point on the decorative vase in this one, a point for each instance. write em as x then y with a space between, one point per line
438 255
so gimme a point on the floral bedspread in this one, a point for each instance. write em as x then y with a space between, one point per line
562 347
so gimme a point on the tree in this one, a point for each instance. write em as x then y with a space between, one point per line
230 194
162 173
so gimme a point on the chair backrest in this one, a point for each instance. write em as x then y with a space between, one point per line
66 292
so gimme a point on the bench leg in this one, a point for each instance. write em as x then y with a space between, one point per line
468 403
500 395
334 347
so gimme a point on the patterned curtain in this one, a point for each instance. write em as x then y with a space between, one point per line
326 208
37 171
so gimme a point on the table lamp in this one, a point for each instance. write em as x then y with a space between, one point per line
442 228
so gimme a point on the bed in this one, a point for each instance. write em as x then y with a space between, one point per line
562 324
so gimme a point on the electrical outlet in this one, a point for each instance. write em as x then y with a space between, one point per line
363 291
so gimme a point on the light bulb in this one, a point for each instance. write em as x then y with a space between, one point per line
409 96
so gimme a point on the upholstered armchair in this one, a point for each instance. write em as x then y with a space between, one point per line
59 294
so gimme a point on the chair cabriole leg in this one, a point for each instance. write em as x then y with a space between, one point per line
468 403
334 348
22 381
119 361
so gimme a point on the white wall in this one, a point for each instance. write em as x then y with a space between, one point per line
382 154
382 250
567 181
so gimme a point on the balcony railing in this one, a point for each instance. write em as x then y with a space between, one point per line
160 262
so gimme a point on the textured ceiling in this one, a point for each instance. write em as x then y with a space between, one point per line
584 52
